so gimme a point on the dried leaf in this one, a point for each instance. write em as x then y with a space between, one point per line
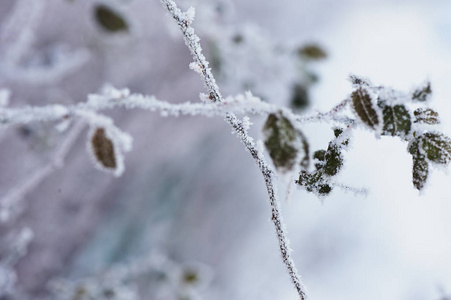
422 94
437 147
363 106
420 168
109 19
286 145
396 120
103 149
426 116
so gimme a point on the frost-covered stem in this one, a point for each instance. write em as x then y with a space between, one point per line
331 114
192 41
10 200
276 216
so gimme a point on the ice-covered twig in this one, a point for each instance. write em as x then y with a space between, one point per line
276 216
184 21
192 41
331 114
356 191
113 98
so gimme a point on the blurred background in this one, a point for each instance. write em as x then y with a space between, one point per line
189 218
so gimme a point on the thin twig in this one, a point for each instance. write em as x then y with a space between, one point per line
192 41
113 98
331 114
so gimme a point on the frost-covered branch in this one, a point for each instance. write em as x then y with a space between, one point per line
112 98
192 41
184 20
330 115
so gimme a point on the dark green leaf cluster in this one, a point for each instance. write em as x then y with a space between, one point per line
425 147
285 144
327 163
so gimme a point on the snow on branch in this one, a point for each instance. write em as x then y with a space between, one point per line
192 41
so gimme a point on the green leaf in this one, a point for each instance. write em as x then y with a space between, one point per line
426 116
109 19
314 182
363 106
420 167
319 157
312 52
286 145
333 160
423 93
396 120
437 147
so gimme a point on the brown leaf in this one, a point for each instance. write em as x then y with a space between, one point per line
103 149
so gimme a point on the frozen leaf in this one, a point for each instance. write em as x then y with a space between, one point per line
324 189
422 94
420 168
103 149
426 116
437 147
396 120
333 160
286 144
363 106
109 19
319 156
314 182
328 163
312 52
